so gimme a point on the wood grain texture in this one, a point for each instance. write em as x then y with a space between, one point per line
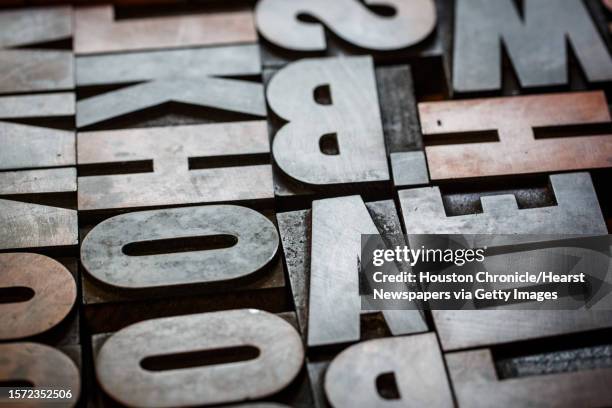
97 31
514 119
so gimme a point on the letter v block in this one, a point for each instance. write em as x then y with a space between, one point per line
324 272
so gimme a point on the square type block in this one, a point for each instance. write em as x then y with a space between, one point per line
409 169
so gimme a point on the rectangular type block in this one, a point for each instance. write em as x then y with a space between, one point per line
176 261
37 106
476 384
577 212
26 225
536 38
43 181
35 69
190 165
529 132
97 30
26 147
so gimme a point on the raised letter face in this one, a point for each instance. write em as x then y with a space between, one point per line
577 212
352 377
181 173
97 31
35 69
20 222
129 366
525 127
324 269
477 384
189 76
278 22
536 43
28 147
105 250
43 366
352 118
48 289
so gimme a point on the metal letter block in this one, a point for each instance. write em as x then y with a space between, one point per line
43 366
31 69
323 270
277 360
577 212
37 106
255 242
25 225
25 146
174 179
476 384
191 76
278 22
351 378
536 43
353 118
96 30
168 262
60 180
516 120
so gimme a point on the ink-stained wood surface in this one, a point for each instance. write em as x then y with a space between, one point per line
97 31
51 287
529 130
25 63
36 106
